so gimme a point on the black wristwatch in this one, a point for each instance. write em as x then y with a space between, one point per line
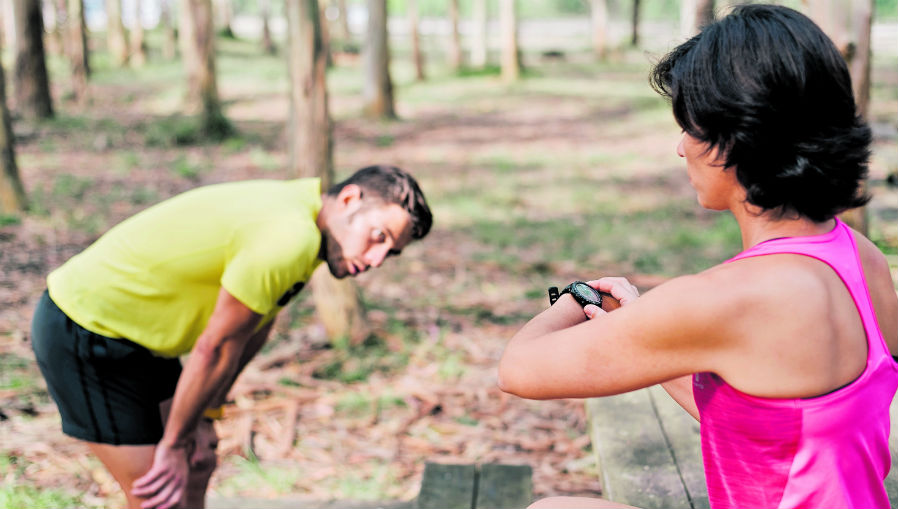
582 293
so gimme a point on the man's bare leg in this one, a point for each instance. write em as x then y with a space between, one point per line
126 463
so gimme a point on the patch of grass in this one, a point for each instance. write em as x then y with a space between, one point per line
16 492
264 159
71 187
370 482
185 168
9 220
270 480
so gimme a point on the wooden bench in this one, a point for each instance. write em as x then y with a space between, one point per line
489 486
648 451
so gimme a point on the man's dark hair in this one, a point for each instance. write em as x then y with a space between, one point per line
392 185
770 90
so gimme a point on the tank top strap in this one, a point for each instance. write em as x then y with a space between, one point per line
838 249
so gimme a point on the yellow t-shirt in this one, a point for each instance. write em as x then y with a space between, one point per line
154 278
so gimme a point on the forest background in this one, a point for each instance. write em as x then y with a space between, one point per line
567 171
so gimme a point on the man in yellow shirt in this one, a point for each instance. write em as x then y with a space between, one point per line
204 272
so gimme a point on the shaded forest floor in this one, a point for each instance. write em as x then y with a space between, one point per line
571 173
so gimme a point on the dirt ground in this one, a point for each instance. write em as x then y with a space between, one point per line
439 315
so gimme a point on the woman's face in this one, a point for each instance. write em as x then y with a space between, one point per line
715 185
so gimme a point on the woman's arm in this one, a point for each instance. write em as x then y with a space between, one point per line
674 330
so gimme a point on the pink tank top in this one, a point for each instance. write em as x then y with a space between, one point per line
831 451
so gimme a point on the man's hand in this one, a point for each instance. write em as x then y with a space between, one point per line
163 485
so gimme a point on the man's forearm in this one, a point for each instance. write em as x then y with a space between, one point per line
252 348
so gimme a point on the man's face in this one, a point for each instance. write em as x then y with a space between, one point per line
362 234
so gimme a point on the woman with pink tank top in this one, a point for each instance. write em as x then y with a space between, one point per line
784 353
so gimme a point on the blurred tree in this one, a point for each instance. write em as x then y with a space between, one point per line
116 38
378 87
511 63
198 49
12 193
224 18
600 28
169 39
634 25
479 34
54 25
138 43
265 13
848 24
30 79
9 24
455 60
78 52
417 56
344 35
694 14
311 155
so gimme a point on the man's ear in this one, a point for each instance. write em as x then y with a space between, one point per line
350 197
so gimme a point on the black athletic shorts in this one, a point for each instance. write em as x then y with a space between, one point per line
107 390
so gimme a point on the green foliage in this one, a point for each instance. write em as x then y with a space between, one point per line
16 493
9 220
885 10
355 363
185 168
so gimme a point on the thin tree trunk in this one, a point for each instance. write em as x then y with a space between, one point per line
169 39
600 28
9 24
848 24
78 52
478 35
224 15
265 13
311 155
634 26
54 25
378 88
695 14
344 35
32 84
511 64
138 45
116 38
198 48
455 59
417 57
12 193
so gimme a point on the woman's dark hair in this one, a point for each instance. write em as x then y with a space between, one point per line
769 89
392 185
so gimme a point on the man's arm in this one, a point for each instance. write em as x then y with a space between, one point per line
213 364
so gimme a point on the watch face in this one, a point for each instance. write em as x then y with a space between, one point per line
584 292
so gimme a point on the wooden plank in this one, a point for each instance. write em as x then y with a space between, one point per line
684 438
445 486
636 464
504 486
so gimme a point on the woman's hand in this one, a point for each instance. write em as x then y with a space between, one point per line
618 287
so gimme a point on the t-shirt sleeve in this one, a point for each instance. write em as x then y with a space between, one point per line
268 264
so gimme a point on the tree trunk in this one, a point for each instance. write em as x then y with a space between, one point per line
198 48
600 28
116 38
455 60
12 193
223 19
311 155
848 24
169 39
511 64
32 84
695 14
480 19
265 13
78 52
138 45
634 25
378 88
344 35
54 26
417 57
9 24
